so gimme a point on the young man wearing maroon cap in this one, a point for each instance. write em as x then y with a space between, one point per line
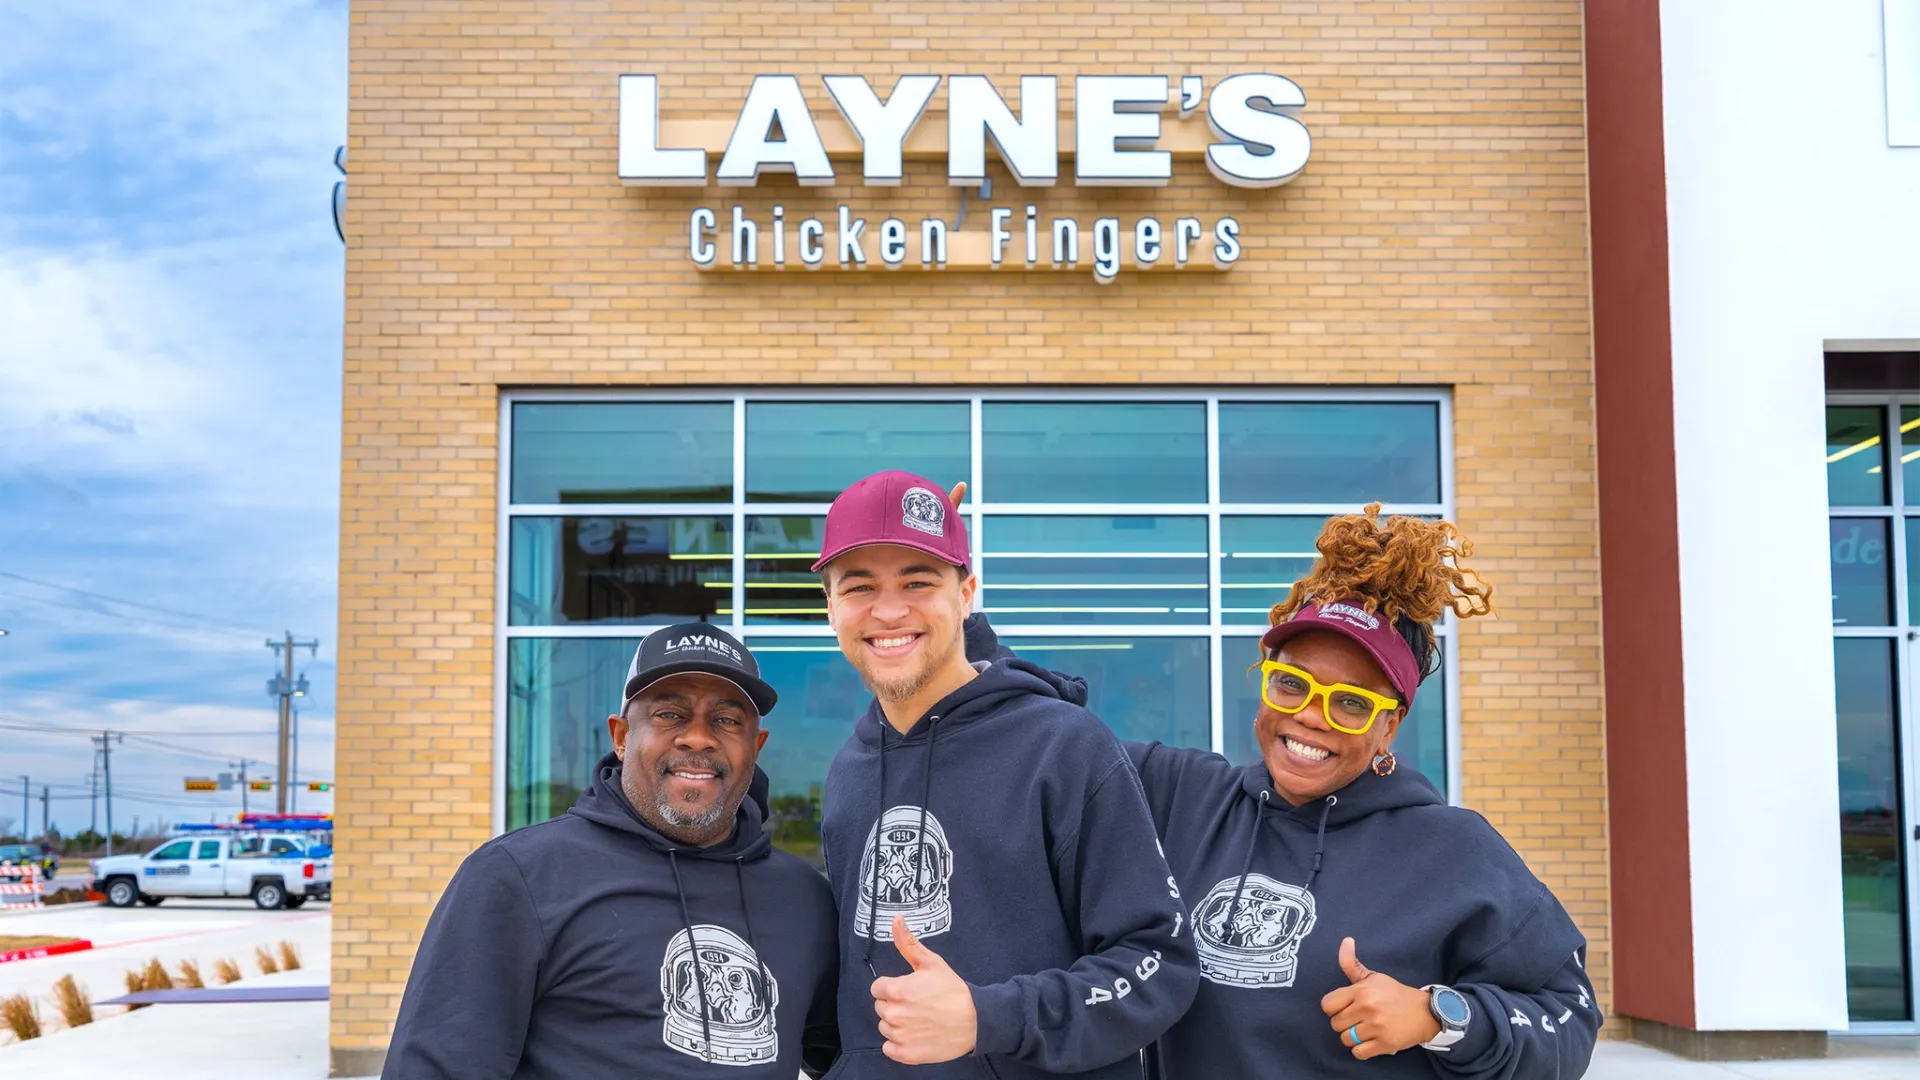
1005 908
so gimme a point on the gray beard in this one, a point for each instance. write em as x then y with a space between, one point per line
705 820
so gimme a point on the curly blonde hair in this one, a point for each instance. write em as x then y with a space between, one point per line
1408 569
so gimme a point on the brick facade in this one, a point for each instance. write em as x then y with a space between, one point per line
1438 237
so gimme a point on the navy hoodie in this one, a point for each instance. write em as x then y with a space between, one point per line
1009 830
1430 893
592 946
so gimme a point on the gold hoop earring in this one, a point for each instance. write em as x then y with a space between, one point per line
1385 763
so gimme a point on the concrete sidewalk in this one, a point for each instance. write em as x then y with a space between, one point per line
1862 1058
288 1041
282 1041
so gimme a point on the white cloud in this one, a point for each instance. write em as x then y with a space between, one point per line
170 319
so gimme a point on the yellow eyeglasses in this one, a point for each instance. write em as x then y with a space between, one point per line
1348 708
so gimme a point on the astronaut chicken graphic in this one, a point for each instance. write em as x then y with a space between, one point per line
1256 941
912 879
741 997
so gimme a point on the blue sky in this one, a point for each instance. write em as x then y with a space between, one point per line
170 320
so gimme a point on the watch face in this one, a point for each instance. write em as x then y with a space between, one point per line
1451 1006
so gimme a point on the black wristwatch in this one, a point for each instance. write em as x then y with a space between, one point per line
1451 1008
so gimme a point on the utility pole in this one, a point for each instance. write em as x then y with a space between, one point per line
242 766
46 796
286 688
105 741
26 806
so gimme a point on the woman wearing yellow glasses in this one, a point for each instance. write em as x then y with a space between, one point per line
1348 921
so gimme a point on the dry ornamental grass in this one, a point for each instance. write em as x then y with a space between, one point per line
289 956
21 1016
135 984
226 970
264 958
156 977
190 975
72 999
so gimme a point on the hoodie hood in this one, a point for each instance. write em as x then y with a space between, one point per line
605 803
1002 677
1365 795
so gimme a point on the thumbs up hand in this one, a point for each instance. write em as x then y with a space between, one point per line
926 1016
1386 1015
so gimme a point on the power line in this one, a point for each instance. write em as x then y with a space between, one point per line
22 689
175 613
9 723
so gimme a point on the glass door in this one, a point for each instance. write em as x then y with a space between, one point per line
1873 495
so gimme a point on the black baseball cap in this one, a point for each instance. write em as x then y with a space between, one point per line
697 647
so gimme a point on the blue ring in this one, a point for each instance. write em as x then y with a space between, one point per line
1354 1034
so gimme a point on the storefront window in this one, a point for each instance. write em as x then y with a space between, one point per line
1119 452
1146 689
1260 559
1856 456
1872 483
1149 607
781 584
571 570
1088 570
594 452
559 694
1862 559
810 451
1873 874
1313 452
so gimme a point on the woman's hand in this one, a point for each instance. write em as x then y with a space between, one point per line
1388 1015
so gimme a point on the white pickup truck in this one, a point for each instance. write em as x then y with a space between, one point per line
273 869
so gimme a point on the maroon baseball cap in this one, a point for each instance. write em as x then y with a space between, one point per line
895 507
1371 630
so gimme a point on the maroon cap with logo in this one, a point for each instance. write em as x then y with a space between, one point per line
1371 630
895 507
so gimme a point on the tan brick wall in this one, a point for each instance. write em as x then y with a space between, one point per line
1437 238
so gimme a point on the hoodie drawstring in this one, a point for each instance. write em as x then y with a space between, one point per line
1320 839
765 991
693 948
873 881
926 796
919 871
1253 838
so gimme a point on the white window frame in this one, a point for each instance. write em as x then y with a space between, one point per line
1213 510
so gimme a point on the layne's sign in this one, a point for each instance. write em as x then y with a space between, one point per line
1118 136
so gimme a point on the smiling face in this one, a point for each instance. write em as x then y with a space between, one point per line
899 615
1306 758
687 746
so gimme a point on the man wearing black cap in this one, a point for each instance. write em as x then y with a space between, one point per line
652 930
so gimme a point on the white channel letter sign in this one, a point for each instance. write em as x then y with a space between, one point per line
1117 131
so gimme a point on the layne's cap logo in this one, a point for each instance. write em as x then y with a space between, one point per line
923 510
702 641
1350 614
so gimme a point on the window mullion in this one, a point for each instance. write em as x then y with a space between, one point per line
739 514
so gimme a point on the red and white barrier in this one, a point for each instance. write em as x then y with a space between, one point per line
19 887
39 951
